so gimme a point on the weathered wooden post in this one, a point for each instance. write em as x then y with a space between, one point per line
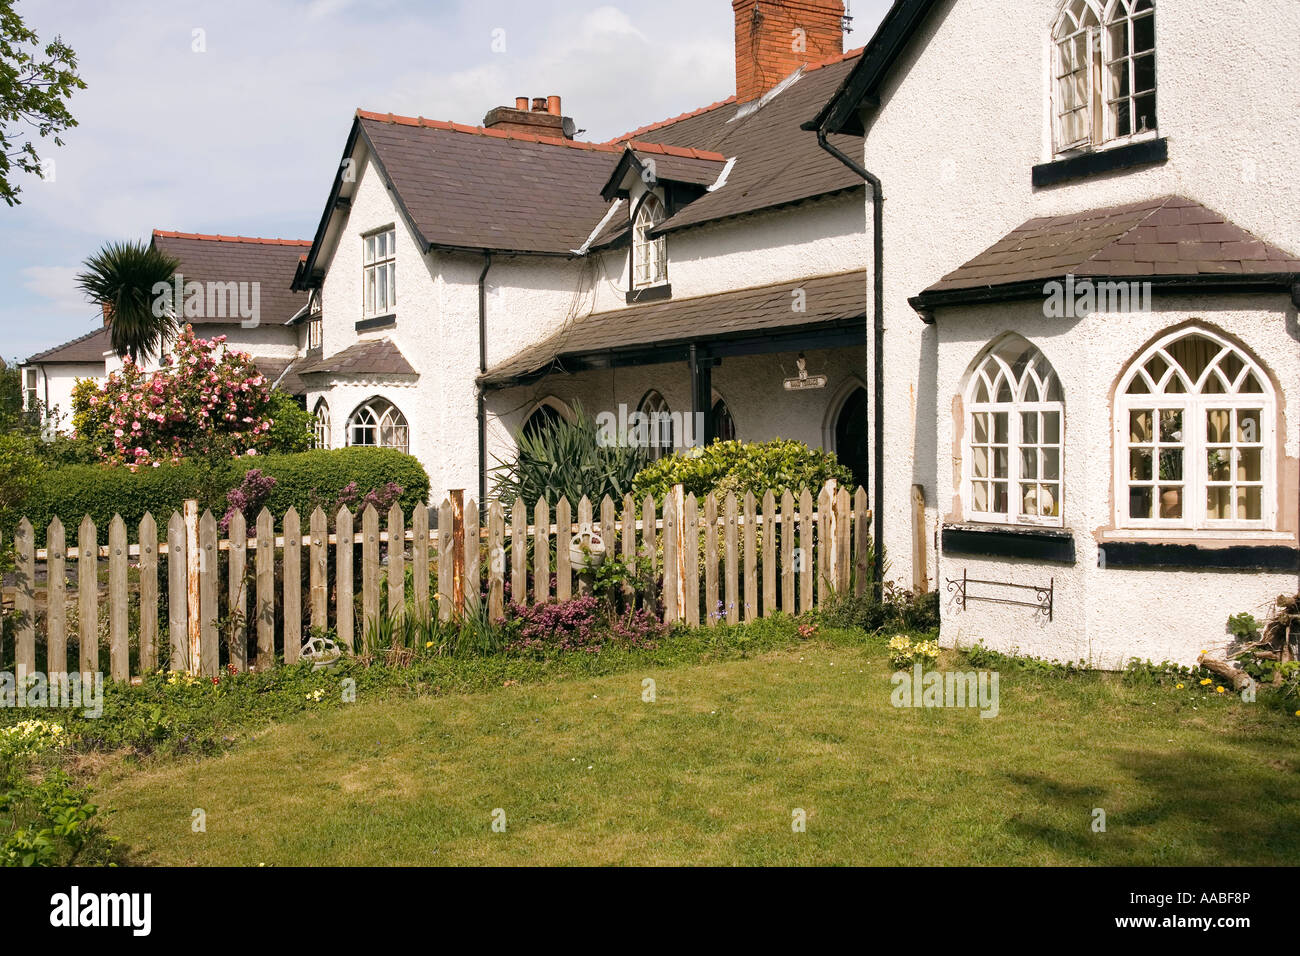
457 498
193 565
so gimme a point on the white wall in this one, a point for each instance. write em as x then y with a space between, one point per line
960 180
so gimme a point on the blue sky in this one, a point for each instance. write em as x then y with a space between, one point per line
243 136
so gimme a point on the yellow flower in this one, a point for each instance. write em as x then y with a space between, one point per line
1206 681
1179 687
428 643
1218 690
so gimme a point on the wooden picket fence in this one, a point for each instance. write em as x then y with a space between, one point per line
758 557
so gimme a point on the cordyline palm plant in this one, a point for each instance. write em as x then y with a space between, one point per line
122 277
566 458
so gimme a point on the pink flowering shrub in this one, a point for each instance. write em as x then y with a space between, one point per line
205 401
583 624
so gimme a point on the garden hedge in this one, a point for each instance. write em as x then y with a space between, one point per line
102 491
733 466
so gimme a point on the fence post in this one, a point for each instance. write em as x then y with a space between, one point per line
787 553
542 553
193 559
177 593
56 651
731 585
825 542
369 573
236 592
496 561
920 569
672 564
346 541
690 558
420 561
264 609
291 602
769 553
471 554
518 553
447 563
88 596
711 559
25 600
861 541
563 535
119 650
751 557
396 562
587 579
148 537
209 643
457 498
319 564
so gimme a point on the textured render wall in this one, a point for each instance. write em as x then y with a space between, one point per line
959 180
1105 615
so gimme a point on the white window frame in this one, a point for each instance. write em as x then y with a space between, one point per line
1096 19
375 415
321 427
1194 404
1039 375
379 264
649 255
31 387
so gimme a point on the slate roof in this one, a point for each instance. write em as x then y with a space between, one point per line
269 262
369 357
88 348
828 299
777 162
283 373
1167 237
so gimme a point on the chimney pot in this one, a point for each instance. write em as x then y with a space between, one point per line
539 104
553 105
521 103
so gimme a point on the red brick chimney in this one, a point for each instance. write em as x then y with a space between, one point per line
776 37
544 119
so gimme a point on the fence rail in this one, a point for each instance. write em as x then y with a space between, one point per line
219 605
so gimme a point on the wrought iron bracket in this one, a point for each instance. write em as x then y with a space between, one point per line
1042 603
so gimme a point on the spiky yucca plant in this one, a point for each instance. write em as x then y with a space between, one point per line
122 276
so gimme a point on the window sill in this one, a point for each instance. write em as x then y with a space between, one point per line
377 322
1100 161
1166 555
1010 541
650 293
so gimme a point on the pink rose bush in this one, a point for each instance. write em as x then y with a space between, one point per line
205 401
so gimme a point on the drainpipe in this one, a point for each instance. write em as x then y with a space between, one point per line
482 369
878 343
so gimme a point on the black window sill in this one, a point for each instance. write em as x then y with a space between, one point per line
378 322
653 293
1160 556
1100 161
1007 541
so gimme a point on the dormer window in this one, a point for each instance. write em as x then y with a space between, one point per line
314 325
1103 73
379 273
649 255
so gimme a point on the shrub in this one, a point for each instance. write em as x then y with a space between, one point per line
899 609
566 459
291 425
733 466
301 481
205 401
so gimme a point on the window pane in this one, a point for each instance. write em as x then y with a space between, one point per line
1139 464
1051 428
1000 428
1171 426
1248 429
1217 466
1171 502
980 462
981 428
1250 504
1144 34
981 493
1144 73
1000 497
1249 467
370 249
1000 463
1144 112
1028 463
1171 464
1139 426
1139 502
1052 464
1029 427
1218 425
1218 503
392 283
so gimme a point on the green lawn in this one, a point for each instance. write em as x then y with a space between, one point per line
588 773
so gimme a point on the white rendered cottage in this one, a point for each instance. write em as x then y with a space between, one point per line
236 286
1087 314
471 279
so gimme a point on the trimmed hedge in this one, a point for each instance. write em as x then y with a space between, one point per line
102 491
726 466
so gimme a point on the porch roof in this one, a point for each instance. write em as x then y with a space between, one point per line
1170 241
373 357
747 321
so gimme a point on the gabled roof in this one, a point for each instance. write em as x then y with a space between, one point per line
1171 238
702 170
88 349
861 87
213 258
370 357
777 162
660 326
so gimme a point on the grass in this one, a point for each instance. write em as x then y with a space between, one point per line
587 772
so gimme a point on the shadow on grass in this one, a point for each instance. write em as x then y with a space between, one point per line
1177 807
